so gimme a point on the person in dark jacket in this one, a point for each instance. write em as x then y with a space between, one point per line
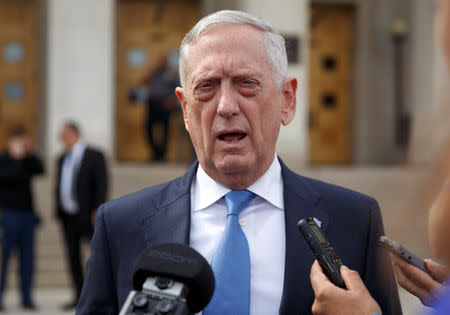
81 186
18 164
161 103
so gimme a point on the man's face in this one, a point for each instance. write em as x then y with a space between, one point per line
68 137
231 106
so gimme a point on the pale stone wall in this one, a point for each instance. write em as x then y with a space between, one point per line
80 70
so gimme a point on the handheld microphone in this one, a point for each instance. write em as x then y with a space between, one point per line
170 279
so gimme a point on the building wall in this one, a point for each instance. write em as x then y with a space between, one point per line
373 134
290 17
80 69
430 95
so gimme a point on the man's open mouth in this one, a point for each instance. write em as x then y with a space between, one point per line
232 137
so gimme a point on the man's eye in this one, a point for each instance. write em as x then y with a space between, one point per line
205 91
205 85
248 87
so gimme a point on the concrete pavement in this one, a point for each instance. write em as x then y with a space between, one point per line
49 302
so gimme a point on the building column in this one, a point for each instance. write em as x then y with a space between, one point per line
290 18
80 70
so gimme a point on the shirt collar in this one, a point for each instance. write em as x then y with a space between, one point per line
270 185
78 148
206 191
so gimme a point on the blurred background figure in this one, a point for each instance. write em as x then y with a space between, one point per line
18 164
81 186
157 93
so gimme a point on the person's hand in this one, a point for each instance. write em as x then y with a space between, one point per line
29 145
331 299
417 282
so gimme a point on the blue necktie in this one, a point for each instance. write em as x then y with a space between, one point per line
231 262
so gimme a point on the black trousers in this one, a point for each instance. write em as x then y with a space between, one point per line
157 116
73 236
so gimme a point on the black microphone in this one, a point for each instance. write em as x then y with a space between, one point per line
170 279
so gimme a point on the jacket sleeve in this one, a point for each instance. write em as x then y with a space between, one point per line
379 273
13 170
99 290
101 180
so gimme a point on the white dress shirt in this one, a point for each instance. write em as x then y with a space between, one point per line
69 169
263 224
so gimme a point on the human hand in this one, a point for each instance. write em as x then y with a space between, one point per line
330 299
417 282
29 145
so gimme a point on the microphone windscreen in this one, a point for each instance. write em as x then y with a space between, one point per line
181 263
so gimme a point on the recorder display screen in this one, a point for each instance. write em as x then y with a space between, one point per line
318 233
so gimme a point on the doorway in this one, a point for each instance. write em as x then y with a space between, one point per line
147 30
19 66
330 79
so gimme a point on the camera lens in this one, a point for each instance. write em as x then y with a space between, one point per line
163 283
140 300
165 306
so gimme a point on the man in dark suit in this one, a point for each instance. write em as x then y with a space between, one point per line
239 204
81 186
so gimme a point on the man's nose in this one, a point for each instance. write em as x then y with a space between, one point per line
228 104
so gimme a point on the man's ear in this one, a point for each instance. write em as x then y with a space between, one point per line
179 91
289 90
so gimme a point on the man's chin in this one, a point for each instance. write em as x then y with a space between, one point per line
234 164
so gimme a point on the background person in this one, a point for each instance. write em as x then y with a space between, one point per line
81 186
235 96
18 164
161 102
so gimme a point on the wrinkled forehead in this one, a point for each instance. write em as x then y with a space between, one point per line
230 43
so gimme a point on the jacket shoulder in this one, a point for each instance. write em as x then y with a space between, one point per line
141 203
316 190
93 151
334 199
333 191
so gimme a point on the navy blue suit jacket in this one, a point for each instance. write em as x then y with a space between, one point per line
127 226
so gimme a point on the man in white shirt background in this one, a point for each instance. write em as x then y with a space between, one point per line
81 186
239 204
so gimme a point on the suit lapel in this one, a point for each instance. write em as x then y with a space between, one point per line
58 176
168 220
80 167
300 201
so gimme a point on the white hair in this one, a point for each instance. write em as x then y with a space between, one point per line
275 48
